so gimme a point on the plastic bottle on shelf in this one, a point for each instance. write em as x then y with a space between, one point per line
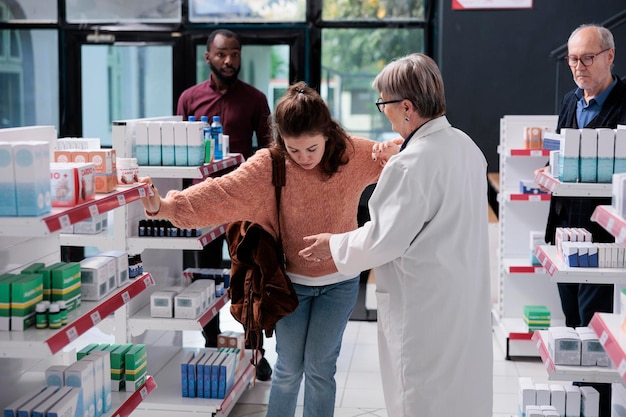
54 316
216 132
41 315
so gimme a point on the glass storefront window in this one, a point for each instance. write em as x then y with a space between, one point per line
388 10
122 82
351 58
28 11
210 11
29 78
144 11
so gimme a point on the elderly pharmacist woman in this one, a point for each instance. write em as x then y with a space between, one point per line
326 172
427 240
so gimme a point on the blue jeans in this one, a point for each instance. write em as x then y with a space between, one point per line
308 342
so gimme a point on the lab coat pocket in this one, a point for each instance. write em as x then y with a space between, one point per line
383 306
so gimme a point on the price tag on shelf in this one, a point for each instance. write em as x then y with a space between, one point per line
95 317
547 364
214 311
143 392
71 334
534 197
551 269
622 235
126 297
148 280
142 192
204 241
603 337
536 152
93 210
621 369
121 200
64 221
609 224
213 235
538 344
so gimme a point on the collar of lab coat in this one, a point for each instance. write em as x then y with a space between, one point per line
427 128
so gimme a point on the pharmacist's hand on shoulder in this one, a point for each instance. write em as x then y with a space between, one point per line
152 203
383 151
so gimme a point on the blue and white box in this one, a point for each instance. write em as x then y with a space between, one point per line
25 410
42 409
107 399
80 374
195 143
184 373
55 375
572 400
620 151
71 405
606 154
12 409
141 143
168 155
180 143
588 155
98 379
32 177
569 155
154 143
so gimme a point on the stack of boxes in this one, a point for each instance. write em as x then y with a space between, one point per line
536 317
126 368
208 373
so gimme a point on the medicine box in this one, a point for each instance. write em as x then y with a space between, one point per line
565 346
557 398
572 400
135 365
592 353
6 280
72 183
162 303
188 304
80 374
42 409
32 177
569 155
26 292
168 156
121 265
55 375
620 151
180 143
71 405
195 143
105 170
65 284
588 155
8 202
590 401
184 373
26 409
94 277
12 409
141 143
551 141
107 399
98 378
154 142
606 154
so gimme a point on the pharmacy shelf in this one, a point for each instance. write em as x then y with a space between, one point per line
59 218
513 152
571 373
608 218
521 266
168 401
513 196
199 172
142 320
559 272
138 244
609 329
41 343
572 189
515 335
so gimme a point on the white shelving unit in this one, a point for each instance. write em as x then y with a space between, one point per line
163 258
520 283
25 355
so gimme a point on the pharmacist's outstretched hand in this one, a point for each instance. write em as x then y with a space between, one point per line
318 249
537 172
383 151
152 203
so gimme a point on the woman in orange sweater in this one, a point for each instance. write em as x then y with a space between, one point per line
326 172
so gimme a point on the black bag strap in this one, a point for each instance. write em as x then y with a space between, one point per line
279 180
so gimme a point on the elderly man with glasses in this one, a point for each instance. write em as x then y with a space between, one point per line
598 101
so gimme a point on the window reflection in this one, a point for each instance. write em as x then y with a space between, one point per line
373 9
247 10
144 11
28 10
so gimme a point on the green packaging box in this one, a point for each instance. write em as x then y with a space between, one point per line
65 284
135 361
118 361
86 350
536 313
37 268
26 292
5 300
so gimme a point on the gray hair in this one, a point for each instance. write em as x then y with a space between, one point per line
606 37
415 77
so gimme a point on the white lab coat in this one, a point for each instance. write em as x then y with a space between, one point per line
428 243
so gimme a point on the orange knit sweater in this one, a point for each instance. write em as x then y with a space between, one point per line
309 205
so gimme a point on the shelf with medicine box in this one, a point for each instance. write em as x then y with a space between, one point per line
167 400
608 218
559 272
59 218
142 320
40 343
610 331
523 212
200 172
572 189
138 244
571 373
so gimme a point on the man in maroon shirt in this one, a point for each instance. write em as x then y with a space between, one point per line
243 111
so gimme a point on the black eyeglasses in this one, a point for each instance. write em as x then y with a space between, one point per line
586 60
380 105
